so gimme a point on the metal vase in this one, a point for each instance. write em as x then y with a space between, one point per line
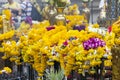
51 14
60 17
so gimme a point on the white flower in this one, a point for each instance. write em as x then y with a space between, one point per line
66 1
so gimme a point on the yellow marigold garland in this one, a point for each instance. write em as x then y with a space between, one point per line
41 47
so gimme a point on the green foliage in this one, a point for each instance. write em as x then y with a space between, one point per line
52 75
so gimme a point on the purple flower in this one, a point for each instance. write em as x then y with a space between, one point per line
79 27
67 21
28 20
50 28
93 43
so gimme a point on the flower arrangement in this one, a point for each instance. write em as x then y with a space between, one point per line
44 44
11 51
7 35
76 22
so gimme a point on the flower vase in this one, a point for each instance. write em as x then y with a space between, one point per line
51 14
60 18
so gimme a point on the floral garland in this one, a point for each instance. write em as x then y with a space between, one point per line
7 35
45 44
116 30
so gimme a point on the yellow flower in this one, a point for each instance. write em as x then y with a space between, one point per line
78 63
50 63
107 63
85 66
92 72
93 63
95 25
109 57
91 50
80 71
7 69
7 13
12 59
75 6
1 50
4 57
0 72
40 74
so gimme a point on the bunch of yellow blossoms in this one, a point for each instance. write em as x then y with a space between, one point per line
95 25
9 46
7 35
6 70
42 47
75 20
44 44
7 14
11 51
116 30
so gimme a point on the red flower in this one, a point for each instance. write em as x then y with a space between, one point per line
69 76
65 43
109 29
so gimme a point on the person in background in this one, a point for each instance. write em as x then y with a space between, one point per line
30 8
15 10
26 7
12 5
102 6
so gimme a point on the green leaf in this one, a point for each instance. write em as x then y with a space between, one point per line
54 75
